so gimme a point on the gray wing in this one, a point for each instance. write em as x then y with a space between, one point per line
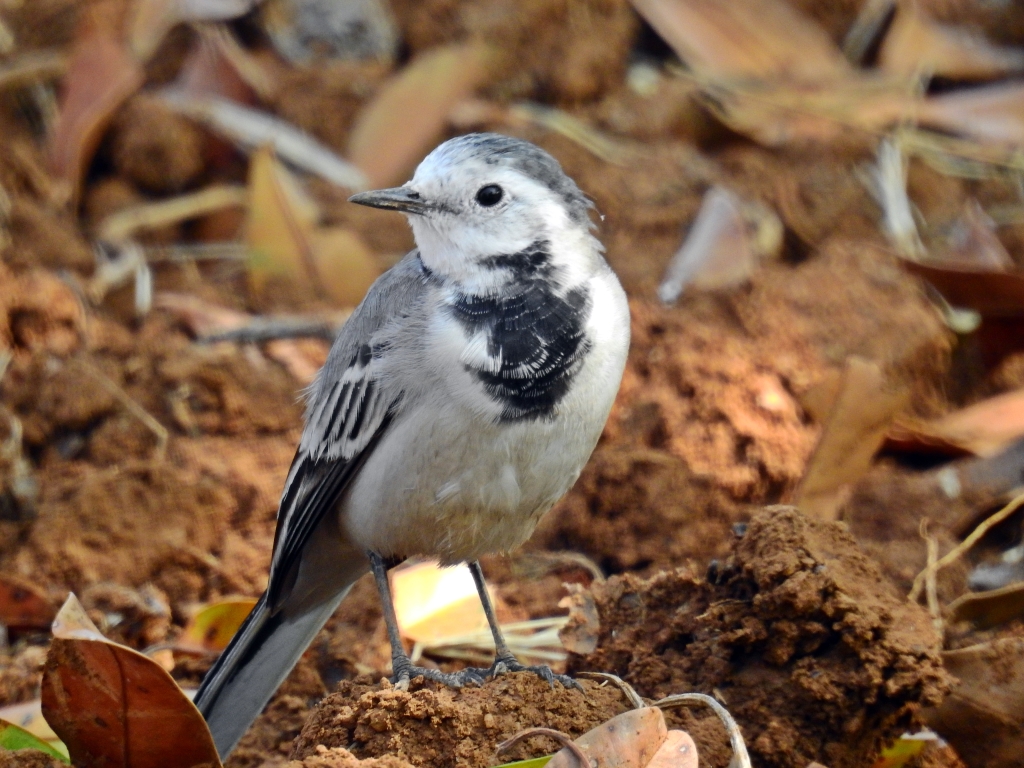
349 408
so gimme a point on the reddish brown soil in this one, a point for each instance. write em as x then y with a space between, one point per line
797 633
710 424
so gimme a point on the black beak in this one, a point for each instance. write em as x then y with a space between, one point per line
395 199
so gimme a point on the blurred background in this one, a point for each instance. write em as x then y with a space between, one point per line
816 208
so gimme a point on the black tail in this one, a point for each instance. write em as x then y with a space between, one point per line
255 663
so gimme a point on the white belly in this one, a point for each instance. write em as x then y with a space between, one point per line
448 481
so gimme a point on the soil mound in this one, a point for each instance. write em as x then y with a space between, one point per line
798 634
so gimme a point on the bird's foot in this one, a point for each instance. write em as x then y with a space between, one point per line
405 671
509 663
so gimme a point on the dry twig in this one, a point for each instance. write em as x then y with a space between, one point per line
551 733
740 757
154 426
931 589
957 552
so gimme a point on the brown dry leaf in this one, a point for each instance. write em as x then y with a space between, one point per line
677 751
992 113
917 44
997 294
205 319
725 244
407 115
208 72
983 717
279 225
344 264
29 715
629 740
213 626
200 317
766 39
580 633
102 73
984 429
112 706
23 605
252 129
773 113
990 609
973 242
152 19
864 408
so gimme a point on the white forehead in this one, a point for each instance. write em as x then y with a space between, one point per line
457 166
463 164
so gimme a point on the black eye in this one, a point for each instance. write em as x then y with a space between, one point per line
489 195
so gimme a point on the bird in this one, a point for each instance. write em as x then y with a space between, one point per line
459 402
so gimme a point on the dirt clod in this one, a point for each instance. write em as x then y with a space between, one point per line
798 634
156 148
431 726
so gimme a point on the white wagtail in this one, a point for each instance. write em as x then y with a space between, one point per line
457 405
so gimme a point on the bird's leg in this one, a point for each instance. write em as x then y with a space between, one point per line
402 669
504 661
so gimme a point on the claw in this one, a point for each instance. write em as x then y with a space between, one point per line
407 672
505 664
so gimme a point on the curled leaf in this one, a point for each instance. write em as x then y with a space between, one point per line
213 626
766 39
403 121
917 44
23 605
112 706
102 73
14 737
862 410
280 222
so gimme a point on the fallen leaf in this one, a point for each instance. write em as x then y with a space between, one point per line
972 242
725 244
213 626
153 19
916 44
102 74
989 609
774 113
23 605
858 420
279 225
533 762
629 740
14 737
207 71
344 264
252 129
122 225
112 706
580 633
983 716
204 320
989 292
434 603
985 429
991 113
903 750
29 715
677 751
765 39
407 115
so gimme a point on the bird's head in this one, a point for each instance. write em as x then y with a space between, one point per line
484 195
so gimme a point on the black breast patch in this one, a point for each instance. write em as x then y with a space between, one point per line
536 334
